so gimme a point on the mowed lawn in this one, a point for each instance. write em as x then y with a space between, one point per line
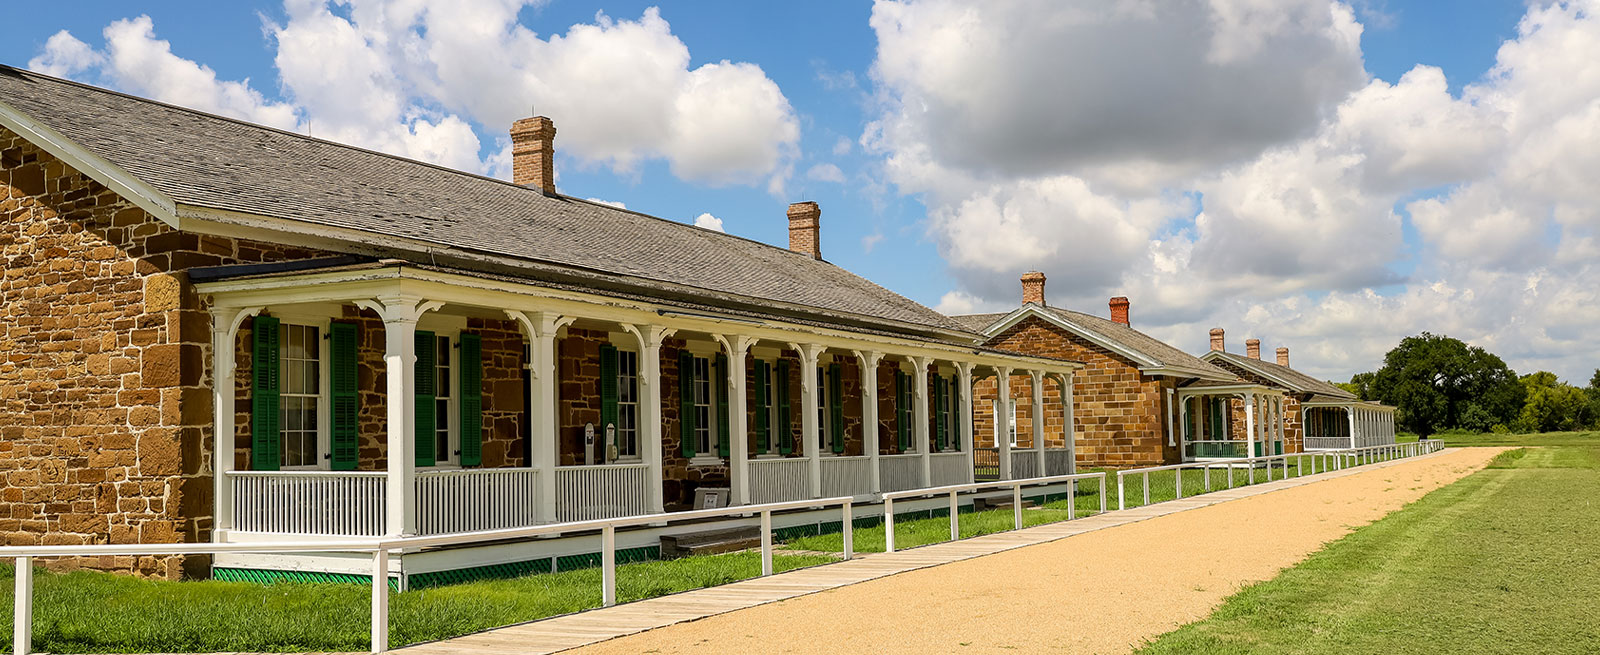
89 612
1505 561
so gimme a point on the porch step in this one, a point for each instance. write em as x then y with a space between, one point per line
710 542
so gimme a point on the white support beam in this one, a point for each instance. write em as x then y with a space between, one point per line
400 315
920 416
809 429
737 347
871 444
650 338
225 323
1250 424
964 436
1036 378
1002 418
1069 428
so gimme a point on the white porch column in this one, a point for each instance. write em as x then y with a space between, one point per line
808 411
1250 424
650 338
1002 419
225 324
870 440
1069 428
920 417
965 440
400 314
1350 412
738 423
540 328
1037 379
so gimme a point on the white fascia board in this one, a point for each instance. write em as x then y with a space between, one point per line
1230 389
1214 356
96 167
1098 339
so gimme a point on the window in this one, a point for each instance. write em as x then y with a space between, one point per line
442 452
301 395
705 437
769 401
627 403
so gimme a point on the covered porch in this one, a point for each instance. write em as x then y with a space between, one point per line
389 400
1334 424
1231 421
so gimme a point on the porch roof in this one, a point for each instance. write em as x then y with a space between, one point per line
1284 376
245 285
1153 355
202 172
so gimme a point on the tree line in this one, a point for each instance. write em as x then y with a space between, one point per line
1437 383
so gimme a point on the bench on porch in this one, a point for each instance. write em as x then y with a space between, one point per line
710 542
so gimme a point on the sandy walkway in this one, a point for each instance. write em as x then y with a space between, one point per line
1100 592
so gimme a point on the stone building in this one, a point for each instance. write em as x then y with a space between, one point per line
1126 402
1317 415
219 331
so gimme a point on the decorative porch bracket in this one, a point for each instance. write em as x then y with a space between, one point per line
400 315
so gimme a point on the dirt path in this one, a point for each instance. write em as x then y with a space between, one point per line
1100 592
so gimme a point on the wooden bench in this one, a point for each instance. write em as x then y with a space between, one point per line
996 501
710 542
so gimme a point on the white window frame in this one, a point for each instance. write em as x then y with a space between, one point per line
824 407
323 429
708 456
774 439
629 409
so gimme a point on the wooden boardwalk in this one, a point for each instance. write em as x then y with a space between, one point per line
574 630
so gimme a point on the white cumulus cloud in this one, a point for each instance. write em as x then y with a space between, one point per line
708 222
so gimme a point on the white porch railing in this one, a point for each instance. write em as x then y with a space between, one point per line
1024 464
954 491
1306 463
846 476
1327 443
585 493
1058 461
474 500
986 463
900 472
950 468
323 503
780 480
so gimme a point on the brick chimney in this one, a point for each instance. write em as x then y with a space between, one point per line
1119 309
805 229
1252 348
1216 340
1033 288
1283 356
533 153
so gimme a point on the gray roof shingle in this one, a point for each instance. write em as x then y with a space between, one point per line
207 161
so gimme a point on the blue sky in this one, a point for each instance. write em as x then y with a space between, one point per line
907 209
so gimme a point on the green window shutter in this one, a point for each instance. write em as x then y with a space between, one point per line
902 410
941 422
426 383
346 398
1188 420
763 429
1217 421
722 405
264 388
471 366
608 391
836 406
955 414
686 403
785 413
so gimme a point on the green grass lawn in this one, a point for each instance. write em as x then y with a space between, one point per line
1591 439
89 612
1503 561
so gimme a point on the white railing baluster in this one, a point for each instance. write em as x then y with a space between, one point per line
1016 506
955 528
849 530
380 601
888 524
22 611
766 543
608 563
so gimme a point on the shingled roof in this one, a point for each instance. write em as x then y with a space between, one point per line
1151 349
1291 379
199 160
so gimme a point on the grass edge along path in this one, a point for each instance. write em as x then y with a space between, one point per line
1501 561
95 612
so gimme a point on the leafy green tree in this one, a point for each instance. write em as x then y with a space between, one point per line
1360 384
1433 380
1593 392
1552 405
